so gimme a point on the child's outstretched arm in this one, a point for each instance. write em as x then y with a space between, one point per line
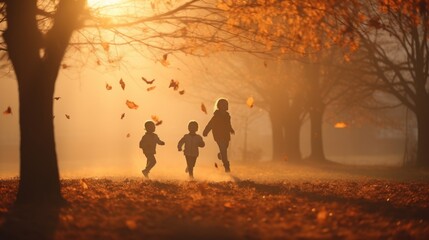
208 128
201 143
180 144
158 141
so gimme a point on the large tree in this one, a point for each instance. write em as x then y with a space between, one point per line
395 36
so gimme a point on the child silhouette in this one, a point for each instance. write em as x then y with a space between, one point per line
148 144
191 141
220 125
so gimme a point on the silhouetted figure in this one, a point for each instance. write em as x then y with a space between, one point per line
148 144
192 142
220 125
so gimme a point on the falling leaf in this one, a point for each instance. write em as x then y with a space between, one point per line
128 135
216 165
123 115
150 88
105 46
8 111
156 120
174 84
164 60
250 101
131 224
203 108
148 82
108 87
340 125
67 116
265 64
131 105
122 84
83 184
182 92
98 62
286 158
57 98
64 66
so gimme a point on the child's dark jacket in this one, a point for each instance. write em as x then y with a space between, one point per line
220 125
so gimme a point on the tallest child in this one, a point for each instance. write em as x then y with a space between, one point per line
220 125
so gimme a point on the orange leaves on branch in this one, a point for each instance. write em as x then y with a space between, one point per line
108 87
156 120
7 111
250 102
150 88
122 83
131 105
174 84
147 81
203 108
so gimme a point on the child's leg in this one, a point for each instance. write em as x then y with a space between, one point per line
223 147
151 161
190 161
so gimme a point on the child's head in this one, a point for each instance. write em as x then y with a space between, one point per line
222 104
193 126
149 126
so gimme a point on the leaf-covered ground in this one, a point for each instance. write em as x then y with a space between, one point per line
258 202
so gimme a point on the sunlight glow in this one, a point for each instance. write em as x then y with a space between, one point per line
102 3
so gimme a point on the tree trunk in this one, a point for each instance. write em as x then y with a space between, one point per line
423 136
277 136
316 138
36 76
292 129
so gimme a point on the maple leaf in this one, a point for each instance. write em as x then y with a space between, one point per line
182 92
57 98
174 84
131 105
108 87
150 88
250 101
147 81
122 84
67 116
123 115
203 108
8 111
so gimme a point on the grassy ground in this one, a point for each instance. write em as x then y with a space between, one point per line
262 201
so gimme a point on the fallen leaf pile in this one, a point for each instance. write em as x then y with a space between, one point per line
238 209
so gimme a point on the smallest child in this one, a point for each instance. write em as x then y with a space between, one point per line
191 141
148 145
